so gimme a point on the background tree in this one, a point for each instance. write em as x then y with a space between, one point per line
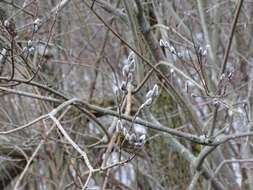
129 94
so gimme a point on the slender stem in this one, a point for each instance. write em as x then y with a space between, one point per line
223 69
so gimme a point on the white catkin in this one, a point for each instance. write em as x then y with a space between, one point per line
119 126
130 57
155 90
6 23
164 43
149 94
3 56
148 102
29 43
36 24
125 70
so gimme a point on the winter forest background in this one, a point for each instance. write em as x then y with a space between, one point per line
126 94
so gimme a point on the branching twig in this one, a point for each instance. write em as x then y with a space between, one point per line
224 64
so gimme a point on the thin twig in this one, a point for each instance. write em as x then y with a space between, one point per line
223 69
194 180
27 165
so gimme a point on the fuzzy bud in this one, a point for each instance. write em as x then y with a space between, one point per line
6 23
119 126
142 138
149 94
130 77
126 70
36 25
163 44
31 50
148 102
29 43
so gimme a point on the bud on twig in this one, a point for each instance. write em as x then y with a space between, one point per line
36 25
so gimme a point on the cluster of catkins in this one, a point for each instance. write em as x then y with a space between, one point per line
10 26
131 139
